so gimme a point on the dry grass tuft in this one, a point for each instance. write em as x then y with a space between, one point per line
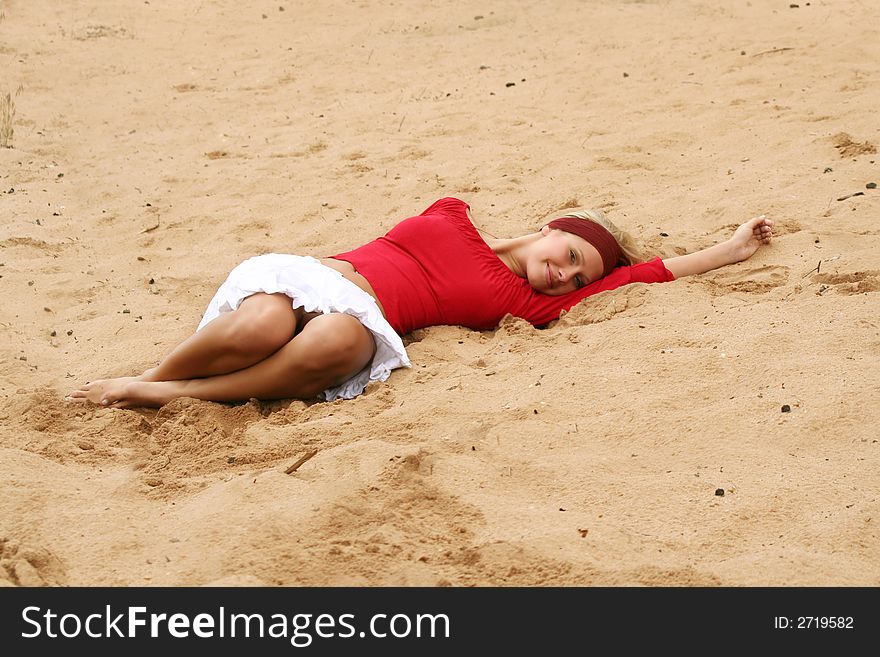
7 114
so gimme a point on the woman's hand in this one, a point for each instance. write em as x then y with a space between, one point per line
747 239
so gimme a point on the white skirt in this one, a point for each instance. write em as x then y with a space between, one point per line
317 289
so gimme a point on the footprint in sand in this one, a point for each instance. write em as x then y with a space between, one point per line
22 565
25 243
848 147
753 280
855 283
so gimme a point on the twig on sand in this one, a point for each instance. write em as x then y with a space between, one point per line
305 457
814 269
818 266
770 52
151 228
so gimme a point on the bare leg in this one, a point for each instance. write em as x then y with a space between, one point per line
261 325
330 349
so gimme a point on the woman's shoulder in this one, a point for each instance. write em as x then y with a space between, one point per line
447 203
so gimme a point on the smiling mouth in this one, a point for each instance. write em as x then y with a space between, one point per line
549 278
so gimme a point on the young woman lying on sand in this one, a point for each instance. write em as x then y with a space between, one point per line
285 326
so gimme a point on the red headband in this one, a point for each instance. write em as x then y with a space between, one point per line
595 234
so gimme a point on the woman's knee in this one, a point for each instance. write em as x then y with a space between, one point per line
262 324
337 347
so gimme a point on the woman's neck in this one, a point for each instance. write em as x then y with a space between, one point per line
512 251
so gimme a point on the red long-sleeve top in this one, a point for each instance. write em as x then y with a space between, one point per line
435 269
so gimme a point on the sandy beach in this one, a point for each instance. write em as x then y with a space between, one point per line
719 430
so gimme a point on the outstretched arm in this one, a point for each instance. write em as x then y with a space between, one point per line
747 239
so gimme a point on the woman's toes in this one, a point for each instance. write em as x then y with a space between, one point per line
110 397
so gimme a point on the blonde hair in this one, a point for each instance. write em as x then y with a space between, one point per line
632 254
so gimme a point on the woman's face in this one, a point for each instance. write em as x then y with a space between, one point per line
560 262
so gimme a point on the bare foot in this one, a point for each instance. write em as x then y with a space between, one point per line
96 391
127 392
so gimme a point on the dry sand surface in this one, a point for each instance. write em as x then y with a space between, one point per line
157 144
